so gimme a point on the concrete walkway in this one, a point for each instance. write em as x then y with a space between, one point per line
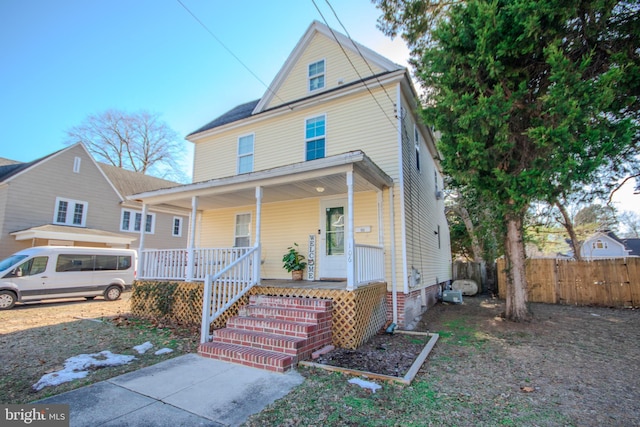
185 391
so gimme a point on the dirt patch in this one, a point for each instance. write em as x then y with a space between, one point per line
386 354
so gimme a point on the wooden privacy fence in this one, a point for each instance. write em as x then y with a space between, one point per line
605 282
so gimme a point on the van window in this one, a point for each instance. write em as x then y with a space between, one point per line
34 266
8 262
93 262
74 263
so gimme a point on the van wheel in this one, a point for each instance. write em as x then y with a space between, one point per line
7 300
112 293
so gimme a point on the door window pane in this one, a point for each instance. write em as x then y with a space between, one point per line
335 231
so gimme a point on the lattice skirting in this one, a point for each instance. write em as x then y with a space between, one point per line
357 315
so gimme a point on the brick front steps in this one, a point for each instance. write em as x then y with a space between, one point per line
273 333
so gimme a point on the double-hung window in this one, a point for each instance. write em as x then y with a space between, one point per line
315 130
70 212
132 221
242 231
316 75
176 230
245 154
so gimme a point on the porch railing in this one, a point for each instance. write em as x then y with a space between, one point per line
226 287
171 264
369 263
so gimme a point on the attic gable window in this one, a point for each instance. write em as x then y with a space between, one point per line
599 244
315 137
316 75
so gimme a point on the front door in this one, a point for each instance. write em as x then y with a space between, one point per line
332 259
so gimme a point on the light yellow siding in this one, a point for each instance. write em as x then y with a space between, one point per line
354 122
284 224
427 246
337 69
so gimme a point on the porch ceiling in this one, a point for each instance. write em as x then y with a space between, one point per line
290 182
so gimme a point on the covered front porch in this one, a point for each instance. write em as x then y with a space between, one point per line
315 203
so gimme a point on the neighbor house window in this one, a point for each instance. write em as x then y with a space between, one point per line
316 75
245 154
70 212
76 164
599 244
177 227
132 221
315 138
242 236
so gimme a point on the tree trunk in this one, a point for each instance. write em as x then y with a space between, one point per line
516 309
568 225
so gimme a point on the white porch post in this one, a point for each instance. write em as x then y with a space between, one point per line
192 238
258 244
143 227
351 266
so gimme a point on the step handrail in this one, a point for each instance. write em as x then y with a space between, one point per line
220 293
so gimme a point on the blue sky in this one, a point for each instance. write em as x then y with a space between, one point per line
63 60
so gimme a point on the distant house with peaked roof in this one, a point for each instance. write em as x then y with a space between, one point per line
605 244
67 198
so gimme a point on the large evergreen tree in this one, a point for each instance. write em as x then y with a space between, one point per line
532 98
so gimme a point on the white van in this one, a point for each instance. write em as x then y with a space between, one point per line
47 272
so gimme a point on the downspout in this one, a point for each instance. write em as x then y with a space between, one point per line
258 244
403 225
192 239
143 226
392 236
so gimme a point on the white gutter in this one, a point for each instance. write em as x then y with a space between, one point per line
392 236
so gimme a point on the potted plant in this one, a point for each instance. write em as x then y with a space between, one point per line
294 262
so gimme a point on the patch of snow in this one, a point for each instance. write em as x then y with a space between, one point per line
163 351
142 348
365 384
77 367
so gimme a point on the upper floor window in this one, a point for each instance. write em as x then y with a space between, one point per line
177 227
245 154
315 138
316 75
132 221
70 212
76 164
242 232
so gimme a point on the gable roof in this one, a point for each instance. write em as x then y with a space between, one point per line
239 112
10 168
345 42
129 182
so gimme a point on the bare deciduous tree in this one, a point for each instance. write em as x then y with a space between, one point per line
139 141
